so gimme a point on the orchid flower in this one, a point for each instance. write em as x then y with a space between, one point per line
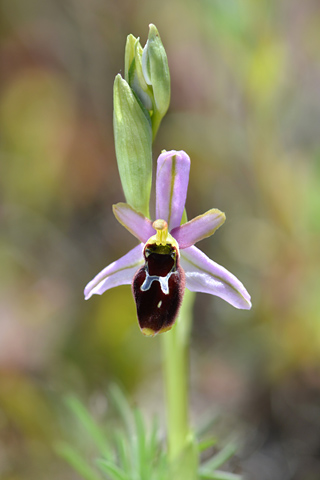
166 260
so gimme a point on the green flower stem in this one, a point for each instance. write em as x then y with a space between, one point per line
181 448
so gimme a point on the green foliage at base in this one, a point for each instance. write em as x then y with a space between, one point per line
130 450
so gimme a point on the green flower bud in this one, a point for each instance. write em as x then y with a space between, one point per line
129 55
147 72
133 72
156 73
137 81
133 144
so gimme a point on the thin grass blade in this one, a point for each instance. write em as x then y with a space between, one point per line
219 475
122 406
122 448
206 425
153 440
205 444
112 470
77 462
141 444
220 458
84 417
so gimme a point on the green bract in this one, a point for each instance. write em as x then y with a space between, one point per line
133 144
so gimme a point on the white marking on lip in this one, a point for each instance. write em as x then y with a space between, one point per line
164 282
159 304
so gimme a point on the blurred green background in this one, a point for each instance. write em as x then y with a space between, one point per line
246 108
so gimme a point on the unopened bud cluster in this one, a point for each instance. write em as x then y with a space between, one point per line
141 99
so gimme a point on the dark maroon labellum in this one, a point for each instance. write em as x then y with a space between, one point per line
158 289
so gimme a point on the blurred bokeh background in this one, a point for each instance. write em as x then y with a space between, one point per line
246 108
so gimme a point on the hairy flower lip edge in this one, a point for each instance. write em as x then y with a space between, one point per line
158 293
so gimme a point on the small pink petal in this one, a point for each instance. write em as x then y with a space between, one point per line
171 186
120 272
204 275
137 224
198 228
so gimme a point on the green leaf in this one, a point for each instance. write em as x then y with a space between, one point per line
110 468
122 448
153 442
218 475
133 144
206 424
122 406
220 458
89 425
141 436
77 461
205 444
